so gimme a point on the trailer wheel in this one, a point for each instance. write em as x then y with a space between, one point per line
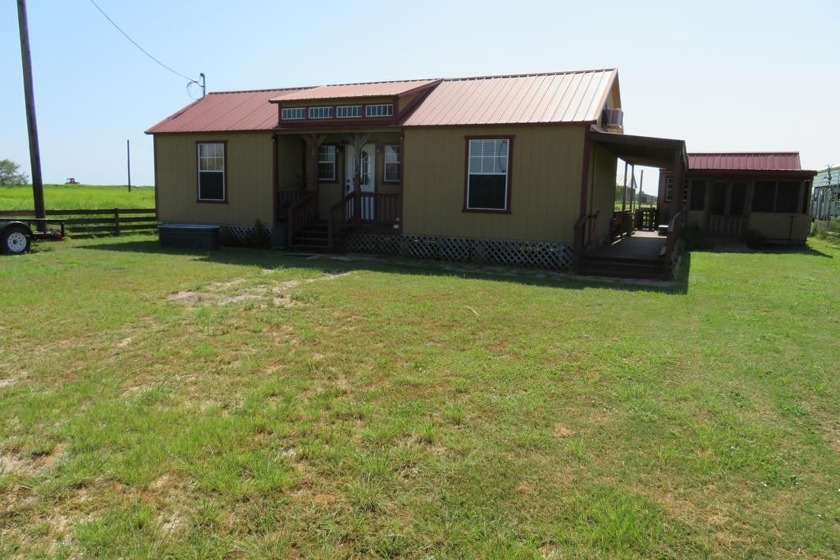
16 239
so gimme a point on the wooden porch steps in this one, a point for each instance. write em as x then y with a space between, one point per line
315 238
617 267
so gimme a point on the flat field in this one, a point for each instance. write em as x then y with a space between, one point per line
244 403
78 197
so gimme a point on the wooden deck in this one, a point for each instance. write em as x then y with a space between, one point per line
642 245
637 256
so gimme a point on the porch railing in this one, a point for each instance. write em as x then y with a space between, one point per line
622 224
380 208
286 198
342 215
672 244
302 213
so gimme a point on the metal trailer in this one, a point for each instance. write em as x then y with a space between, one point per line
15 237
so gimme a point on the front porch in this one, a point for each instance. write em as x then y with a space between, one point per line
640 255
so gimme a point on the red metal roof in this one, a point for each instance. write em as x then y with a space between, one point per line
777 161
535 98
344 91
225 112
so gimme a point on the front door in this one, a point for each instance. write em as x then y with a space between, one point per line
367 177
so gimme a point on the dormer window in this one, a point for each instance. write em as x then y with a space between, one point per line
293 114
320 112
381 110
348 111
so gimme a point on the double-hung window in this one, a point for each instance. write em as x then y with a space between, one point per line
211 172
488 174
326 163
392 163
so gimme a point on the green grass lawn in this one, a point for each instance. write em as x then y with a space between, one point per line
78 197
242 403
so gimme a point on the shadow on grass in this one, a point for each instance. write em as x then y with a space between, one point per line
741 248
332 263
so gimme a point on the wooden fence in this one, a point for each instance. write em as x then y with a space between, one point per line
94 223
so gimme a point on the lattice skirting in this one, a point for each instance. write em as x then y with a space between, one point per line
533 254
239 234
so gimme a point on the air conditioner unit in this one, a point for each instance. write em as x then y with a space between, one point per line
613 118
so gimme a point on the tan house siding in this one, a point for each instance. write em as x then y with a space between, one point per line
545 183
249 164
779 228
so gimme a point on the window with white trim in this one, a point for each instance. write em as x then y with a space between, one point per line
392 163
348 111
293 114
320 112
211 171
326 162
382 110
488 174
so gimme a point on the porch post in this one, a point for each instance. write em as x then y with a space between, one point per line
581 225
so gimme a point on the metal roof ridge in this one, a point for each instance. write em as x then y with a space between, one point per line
529 75
262 90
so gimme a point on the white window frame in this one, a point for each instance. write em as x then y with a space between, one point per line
484 158
320 113
328 153
211 164
293 113
379 110
393 163
348 111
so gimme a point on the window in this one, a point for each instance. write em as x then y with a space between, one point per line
392 163
320 112
326 163
698 195
293 114
211 172
383 110
348 111
737 199
488 174
781 197
719 199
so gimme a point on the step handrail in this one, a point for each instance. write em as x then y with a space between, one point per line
301 214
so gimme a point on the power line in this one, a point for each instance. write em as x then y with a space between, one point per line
133 42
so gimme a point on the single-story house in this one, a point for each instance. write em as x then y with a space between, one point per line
511 169
729 194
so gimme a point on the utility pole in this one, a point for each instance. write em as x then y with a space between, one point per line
128 159
31 123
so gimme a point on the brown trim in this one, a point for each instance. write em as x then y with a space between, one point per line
385 163
225 197
335 163
509 176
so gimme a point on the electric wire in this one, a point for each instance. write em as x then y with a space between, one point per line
133 42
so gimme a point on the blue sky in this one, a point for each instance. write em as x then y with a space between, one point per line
723 76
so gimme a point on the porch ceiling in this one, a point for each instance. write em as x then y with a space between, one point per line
643 150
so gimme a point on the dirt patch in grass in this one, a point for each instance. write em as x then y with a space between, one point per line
234 292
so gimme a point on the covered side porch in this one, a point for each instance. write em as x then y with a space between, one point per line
652 252
331 183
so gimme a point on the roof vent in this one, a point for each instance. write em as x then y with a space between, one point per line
613 119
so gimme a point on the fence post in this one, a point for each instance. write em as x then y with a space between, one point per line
117 222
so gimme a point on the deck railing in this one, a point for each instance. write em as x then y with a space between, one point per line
302 213
342 215
380 208
622 224
672 244
286 198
